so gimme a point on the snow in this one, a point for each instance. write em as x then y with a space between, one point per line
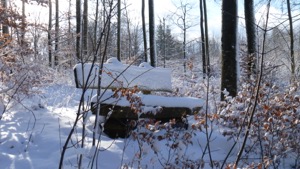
116 75
32 134
152 100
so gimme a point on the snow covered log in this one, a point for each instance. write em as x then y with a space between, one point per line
117 75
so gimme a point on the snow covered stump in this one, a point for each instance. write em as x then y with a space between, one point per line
120 102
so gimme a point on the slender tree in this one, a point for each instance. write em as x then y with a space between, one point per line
56 32
23 23
5 29
85 27
207 56
70 36
228 40
202 38
129 43
144 31
164 46
119 32
152 34
49 33
96 24
78 28
291 33
251 36
184 21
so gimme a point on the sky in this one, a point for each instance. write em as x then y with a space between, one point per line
165 8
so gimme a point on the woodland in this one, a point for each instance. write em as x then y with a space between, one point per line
247 78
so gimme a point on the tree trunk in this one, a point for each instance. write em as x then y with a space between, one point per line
144 31
78 28
85 28
207 57
184 39
229 34
70 36
164 45
152 34
56 32
202 39
49 34
129 34
96 24
4 26
23 25
119 32
291 43
251 36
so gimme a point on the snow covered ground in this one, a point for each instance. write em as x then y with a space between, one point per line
32 136
33 132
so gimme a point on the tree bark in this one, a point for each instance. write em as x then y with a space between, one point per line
78 28
291 42
96 24
85 28
56 32
207 56
5 29
251 36
144 31
129 34
152 34
49 34
228 40
119 32
202 38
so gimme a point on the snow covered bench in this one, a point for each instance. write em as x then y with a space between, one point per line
118 75
122 110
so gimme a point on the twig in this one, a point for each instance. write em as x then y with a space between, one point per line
257 91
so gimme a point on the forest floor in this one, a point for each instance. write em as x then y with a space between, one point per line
33 132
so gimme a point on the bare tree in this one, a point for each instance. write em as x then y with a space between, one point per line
144 31
251 36
153 58
49 33
78 28
202 38
4 26
291 33
129 43
23 25
184 21
229 34
85 27
119 32
96 24
207 56
56 32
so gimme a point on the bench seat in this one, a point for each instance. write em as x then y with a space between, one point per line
153 106
118 75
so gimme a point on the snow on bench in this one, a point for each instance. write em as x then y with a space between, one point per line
118 75
159 107
118 115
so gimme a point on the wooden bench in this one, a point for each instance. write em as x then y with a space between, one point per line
121 78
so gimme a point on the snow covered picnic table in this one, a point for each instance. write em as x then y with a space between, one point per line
117 110
117 75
